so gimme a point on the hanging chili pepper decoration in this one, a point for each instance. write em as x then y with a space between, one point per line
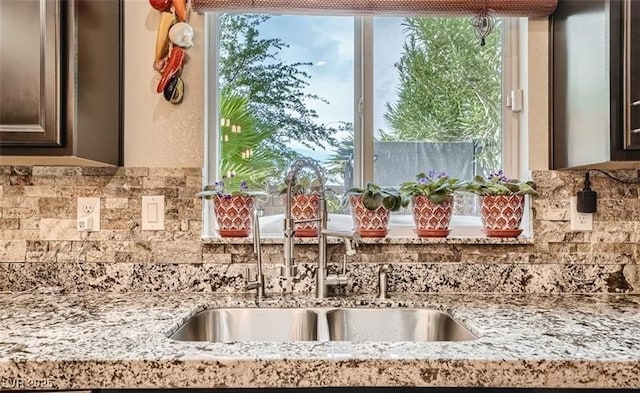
173 37
176 58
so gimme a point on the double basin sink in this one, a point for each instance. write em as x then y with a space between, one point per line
321 324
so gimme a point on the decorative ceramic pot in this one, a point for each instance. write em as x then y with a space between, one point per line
501 214
233 215
432 219
305 207
369 223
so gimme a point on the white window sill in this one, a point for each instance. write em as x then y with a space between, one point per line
464 230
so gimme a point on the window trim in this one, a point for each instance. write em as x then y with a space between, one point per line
363 105
211 124
511 138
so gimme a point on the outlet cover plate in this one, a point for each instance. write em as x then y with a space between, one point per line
88 208
580 221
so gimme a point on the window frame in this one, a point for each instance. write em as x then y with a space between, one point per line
363 104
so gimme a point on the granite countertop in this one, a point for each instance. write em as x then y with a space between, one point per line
79 341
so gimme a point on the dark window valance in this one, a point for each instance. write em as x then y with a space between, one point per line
499 8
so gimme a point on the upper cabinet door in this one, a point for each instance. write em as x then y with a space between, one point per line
30 63
61 73
632 74
596 82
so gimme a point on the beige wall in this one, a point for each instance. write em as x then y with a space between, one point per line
538 94
157 133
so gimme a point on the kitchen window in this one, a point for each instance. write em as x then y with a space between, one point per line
372 98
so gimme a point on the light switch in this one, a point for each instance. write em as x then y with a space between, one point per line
152 210
153 213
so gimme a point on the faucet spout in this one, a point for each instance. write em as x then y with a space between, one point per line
323 279
289 269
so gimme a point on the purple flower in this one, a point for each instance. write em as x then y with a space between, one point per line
498 175
431 176
244 186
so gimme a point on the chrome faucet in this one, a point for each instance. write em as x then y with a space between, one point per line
323 279
258 282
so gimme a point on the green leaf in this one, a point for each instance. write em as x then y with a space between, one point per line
437 198
390 203
372 201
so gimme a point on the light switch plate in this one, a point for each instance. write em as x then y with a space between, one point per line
88 215
153 213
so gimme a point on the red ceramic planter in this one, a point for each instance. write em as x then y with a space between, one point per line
432 219
501 215
233 215
369 223
305 207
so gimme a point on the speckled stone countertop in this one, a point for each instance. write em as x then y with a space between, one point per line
79 341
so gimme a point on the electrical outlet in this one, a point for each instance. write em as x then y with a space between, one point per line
88 217
580 221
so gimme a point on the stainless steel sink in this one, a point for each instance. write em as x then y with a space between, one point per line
342 324
358 324
250 324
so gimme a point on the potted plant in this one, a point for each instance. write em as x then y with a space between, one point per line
305 202
232 209
370 207
501 203
432 200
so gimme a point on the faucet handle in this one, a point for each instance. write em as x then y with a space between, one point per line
350 246
338 279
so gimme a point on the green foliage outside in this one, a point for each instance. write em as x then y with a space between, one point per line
450 90
450 87
337 163
244 154
250 66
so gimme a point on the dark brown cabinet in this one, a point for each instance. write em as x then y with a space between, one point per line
595 79
30 78
61 73
631 64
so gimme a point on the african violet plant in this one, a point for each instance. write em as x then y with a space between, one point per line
303 185
436 187
374 196
498 183
218 189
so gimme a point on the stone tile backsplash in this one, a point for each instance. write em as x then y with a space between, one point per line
39 244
